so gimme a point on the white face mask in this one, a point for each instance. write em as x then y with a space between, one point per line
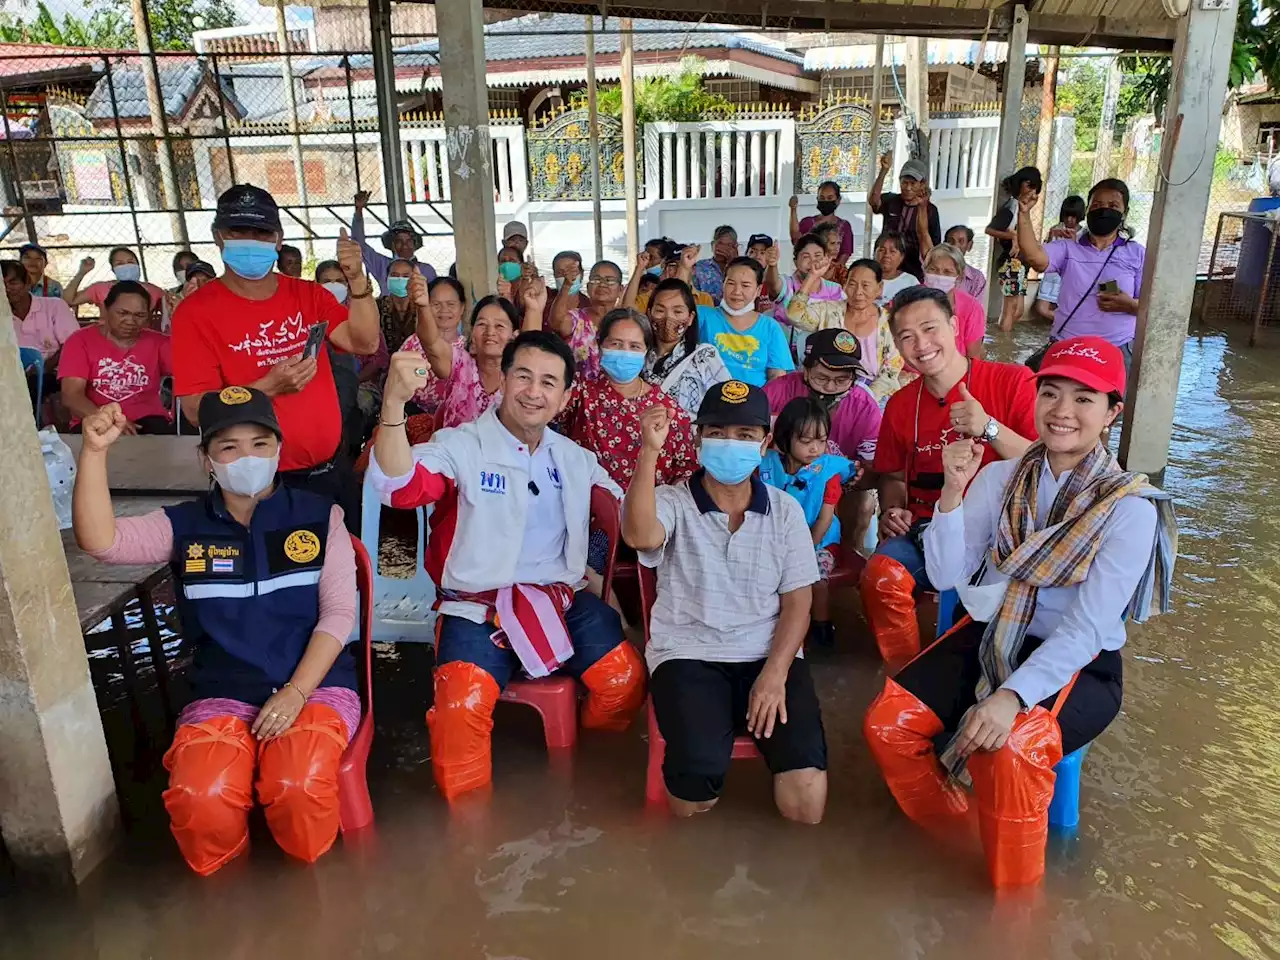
247 476
740 312
339 290
939 282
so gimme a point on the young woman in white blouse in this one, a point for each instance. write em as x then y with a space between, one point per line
1051 554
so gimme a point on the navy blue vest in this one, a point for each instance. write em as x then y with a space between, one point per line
250 598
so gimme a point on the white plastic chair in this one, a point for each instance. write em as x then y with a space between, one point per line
401 607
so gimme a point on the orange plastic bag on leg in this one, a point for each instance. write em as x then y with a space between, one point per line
615 689
210 791
888 601
298 782
900 730
461 722
1014 787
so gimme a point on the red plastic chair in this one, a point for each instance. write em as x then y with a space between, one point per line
556 698
655 789
355 811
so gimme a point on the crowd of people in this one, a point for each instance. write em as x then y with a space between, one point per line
754 424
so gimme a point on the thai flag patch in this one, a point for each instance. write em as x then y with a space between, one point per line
223 566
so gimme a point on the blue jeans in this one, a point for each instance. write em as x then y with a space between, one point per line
594 628
906 551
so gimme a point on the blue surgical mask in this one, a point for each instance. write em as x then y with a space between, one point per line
398 286
247 476
654 271
730 461
339 290
575 287
621 366
127 271
251 259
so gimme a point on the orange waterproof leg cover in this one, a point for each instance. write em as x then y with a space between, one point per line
210 791
298 782
890 607
1014 787
615 689
900 730
461 721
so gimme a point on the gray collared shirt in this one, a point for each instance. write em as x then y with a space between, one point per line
719 592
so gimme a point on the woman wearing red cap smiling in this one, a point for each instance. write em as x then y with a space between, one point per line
1051 554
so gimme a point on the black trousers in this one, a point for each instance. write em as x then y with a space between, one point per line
946 675
333 480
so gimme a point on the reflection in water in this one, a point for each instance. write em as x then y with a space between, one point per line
1177 854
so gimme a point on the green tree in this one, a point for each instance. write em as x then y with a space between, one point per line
678 98
110 26
1082 87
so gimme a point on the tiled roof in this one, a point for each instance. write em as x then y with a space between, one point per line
180 78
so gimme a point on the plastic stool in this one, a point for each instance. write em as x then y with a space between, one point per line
355 810
1064 810
655 788
556 700
33 359
947 602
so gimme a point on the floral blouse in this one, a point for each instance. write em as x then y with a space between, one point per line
812 315
582 341
708 277
686 378
461 394
601 420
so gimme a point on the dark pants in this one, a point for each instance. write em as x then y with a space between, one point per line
701 706
334 481
946 675
594 629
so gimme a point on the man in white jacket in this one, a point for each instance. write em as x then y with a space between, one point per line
508 547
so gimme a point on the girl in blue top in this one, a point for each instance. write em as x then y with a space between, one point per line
752 345
799 463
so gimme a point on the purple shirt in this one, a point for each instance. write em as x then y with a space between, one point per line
1080 265
974 282
855 422
846 234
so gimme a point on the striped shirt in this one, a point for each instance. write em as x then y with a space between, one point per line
719 593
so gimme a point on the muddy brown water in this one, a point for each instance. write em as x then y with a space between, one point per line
1177 854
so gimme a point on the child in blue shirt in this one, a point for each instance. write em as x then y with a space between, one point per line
799 463
752 345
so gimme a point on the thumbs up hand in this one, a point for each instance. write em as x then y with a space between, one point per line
967 415
350 260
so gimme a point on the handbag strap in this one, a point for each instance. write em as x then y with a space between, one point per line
1053 334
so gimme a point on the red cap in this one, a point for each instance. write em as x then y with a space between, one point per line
1093 361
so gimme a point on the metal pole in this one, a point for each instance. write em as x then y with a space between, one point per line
593 127
1107 121
1015 76
159 125
351 119
917 61
291 101
629 142
124 154
384 78
226 127
873 154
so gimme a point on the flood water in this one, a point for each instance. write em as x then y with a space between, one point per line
1177 855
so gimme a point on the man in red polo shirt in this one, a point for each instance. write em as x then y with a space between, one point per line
254 327
954 397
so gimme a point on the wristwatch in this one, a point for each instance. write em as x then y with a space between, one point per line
991 430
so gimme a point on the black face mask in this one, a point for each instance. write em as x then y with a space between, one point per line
1104 221
828 400
827 207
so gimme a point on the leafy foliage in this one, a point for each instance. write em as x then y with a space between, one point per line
677 98
109 25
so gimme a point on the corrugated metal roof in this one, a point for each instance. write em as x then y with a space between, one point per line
863 55
179 80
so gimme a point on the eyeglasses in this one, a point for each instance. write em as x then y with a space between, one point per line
604 282
839 382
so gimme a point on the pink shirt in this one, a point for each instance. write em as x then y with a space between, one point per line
95 293
461 394
582 341
855 422
971 321
129 376
48 325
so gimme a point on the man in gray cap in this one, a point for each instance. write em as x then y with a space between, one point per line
909 212
401 238
516 236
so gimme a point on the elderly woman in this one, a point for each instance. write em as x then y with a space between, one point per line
266 583
119 361
943 270
684 368
580 327
1051 553
1101 271
709 274
603 415
861 314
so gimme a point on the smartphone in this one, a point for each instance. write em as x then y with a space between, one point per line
1109 286
315 339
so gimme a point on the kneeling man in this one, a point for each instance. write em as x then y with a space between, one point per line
735 569
507 550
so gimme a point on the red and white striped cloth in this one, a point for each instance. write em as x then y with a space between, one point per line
531 618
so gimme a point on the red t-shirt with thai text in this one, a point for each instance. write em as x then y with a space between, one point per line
912 444
223 340
129 376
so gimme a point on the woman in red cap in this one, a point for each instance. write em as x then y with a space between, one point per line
1051 554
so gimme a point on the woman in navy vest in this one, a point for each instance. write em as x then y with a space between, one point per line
265 579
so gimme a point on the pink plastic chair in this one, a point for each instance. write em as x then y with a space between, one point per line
655 789
355 811
556 698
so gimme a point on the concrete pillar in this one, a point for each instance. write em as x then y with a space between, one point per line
1201 57
629 142
460 24
917 92
58 812
384 77
1015 76
593 135
291 102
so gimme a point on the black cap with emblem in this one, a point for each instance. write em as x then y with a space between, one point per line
232 406
734 404
837 348
247 206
